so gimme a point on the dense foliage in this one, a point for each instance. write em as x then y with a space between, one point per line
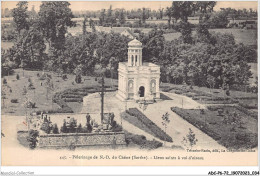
204 59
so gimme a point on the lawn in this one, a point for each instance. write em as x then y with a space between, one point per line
225 128
39 94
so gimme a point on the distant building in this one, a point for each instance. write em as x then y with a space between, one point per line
138 80
125 31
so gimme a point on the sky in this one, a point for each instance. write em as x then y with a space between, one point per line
154 5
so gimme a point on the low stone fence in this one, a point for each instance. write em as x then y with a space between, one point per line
82 139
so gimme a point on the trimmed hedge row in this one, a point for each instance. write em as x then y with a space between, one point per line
73 95
158 132
141 141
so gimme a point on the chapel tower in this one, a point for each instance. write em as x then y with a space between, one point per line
138 80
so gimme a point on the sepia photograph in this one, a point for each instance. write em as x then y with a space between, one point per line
129 83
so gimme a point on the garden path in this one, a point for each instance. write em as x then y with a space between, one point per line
177 128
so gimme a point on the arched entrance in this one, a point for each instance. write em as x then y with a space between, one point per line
141 91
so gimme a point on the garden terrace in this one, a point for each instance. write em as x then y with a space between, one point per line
39 96
214 96
228 125
137 118
74 95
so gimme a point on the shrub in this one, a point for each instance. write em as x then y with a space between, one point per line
79 129
31 86
30 105
14 101
4 81
227 92
55 129
64 129
32 139
64 77
142 141
17 77
46 127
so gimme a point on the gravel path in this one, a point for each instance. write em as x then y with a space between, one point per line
177 128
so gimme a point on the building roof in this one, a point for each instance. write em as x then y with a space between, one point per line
135 43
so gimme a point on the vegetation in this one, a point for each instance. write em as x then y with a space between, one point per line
206 59
232 129
137 118
141 141
32 139
190 140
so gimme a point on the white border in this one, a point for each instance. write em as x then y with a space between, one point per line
130 170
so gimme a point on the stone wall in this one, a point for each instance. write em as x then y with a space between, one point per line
81 139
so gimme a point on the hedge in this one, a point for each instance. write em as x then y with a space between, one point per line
157 132
141 141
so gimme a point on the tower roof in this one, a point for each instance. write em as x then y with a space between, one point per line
135 43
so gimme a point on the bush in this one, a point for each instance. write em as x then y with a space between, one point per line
30 105
78 79
46 127
55 129
142 141
31 86
17 77
32 139
64 77
14 101
4 81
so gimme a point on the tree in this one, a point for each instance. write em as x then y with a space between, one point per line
190 140
185 29
55 129
54 19
220 20
121 17
102 17
20 16
79 54
205 8
165 121
175 11
143 17
17 77
153 44
84 30
29 49
79 128
64 128
169 14
92 25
